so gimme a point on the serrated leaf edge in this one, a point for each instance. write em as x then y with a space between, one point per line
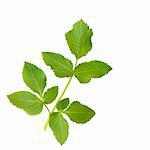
61 110
41 92
22 108
47 91
91 77
77 57
54 69
64 112
67 130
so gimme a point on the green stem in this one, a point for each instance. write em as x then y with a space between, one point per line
61 96
47 122
46 108
42 101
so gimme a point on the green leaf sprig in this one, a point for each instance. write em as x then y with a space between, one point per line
79 42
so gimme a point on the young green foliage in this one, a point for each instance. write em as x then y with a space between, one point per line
63 104
94 69
59 127
79 42
79 113
61 66
79 39
34 78
27 101
50 95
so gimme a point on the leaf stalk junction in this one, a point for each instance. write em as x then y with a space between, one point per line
60 98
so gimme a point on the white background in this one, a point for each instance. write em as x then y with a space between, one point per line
121 99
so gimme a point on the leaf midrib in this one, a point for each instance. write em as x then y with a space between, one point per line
85 71
70 112
34 78
61 65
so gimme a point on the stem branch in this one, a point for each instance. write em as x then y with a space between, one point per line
47 108
60 98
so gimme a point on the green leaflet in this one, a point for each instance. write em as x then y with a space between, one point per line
26 101
80 43
94 69
59 127
63 104
50 95
61 66
34 78
79 113
79 39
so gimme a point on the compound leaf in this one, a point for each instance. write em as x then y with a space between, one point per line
34 78
59 127
27 101
61 66
94 69
79 113
63 104
79 39
50 95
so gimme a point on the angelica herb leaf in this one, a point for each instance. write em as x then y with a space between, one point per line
59 126
27 101
79 39
34 78
61 66
50 95
63 104
79 113
84 72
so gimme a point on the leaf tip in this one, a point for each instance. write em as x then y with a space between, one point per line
8 96
26 63
81 21
110 68
43 53
56 87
